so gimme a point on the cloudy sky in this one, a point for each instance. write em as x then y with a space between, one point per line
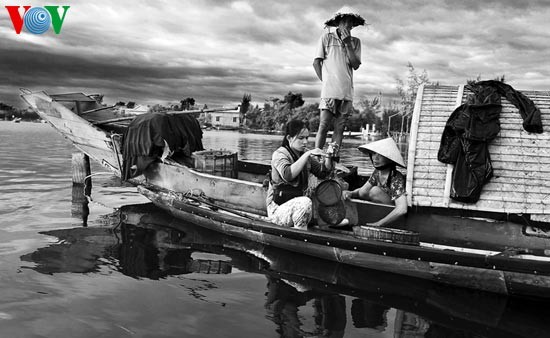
214 51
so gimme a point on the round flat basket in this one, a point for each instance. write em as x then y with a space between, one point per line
328 192
387 235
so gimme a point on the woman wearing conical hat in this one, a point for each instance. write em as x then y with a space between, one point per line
386 185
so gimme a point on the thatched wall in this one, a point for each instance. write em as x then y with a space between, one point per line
521 160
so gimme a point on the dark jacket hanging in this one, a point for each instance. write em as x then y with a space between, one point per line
470 128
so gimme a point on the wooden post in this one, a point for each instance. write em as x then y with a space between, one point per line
79 205
81 168
82 186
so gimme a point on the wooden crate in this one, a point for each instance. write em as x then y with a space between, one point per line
217 162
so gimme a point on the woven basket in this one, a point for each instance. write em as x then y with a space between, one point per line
333 214
328 192
387 235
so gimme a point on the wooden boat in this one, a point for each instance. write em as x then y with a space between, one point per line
150 243
501 244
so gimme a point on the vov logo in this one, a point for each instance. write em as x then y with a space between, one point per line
37 20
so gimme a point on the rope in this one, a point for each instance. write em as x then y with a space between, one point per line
191 193
201 198
99 173
90 200
89 197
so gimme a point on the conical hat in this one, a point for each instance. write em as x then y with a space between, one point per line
385 147
346 10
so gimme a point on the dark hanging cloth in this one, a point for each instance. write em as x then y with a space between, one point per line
470 129
145 136
532 120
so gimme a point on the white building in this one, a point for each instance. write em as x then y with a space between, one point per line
138 109
228 119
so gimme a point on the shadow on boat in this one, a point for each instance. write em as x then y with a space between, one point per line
142 241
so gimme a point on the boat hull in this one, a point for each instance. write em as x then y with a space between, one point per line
237 208
409 261
89 139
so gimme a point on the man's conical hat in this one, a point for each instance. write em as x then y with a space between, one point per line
385 147
346 10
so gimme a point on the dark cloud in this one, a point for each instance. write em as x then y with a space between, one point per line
136 82
43 67
215 50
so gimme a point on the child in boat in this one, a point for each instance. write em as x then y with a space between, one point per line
386 185
290 167
338 55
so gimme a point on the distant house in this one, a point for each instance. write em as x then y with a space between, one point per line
137 110
228 119
133 109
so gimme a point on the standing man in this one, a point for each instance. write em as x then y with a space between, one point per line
338 55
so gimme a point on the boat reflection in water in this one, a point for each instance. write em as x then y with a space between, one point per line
146 242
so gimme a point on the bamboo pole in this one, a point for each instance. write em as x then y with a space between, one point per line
96 110
177 112
413 135
126 118
450 167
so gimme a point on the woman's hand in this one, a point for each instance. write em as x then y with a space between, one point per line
346 194
315 152
299 165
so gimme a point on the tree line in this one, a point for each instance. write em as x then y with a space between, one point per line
393 116
8 112
275 112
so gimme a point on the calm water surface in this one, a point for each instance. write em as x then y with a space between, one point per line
129 273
